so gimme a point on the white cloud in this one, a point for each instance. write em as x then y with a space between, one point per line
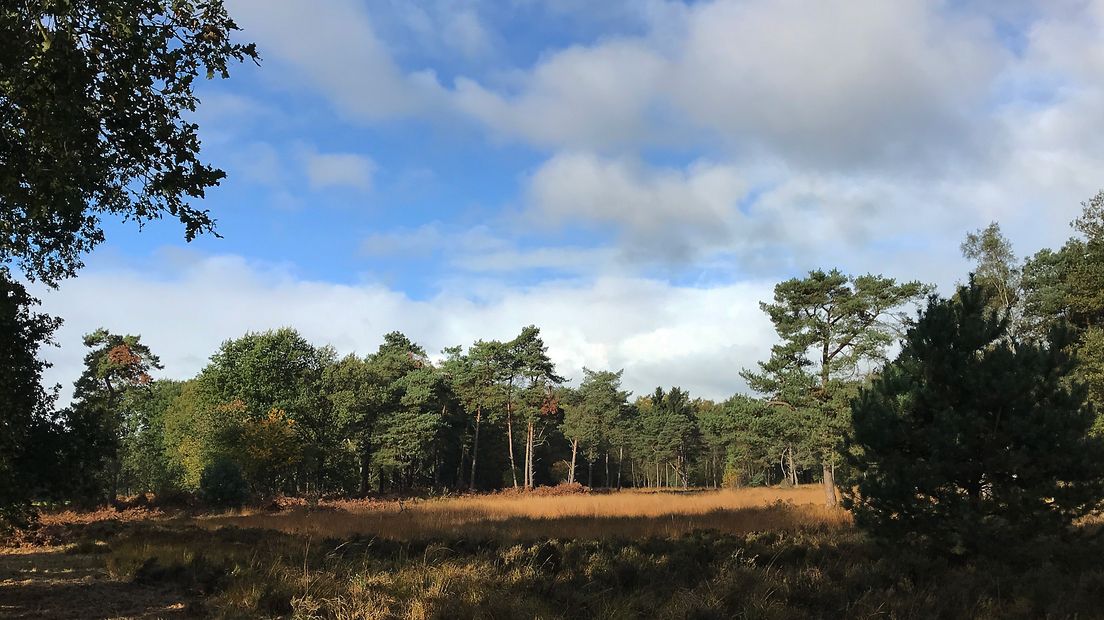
580 97
839 82
833 84
334 47
339 170
463 31
664 213
660 333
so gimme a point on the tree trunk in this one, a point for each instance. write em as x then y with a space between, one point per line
607 480
365 469
532 454
574 451
590 473
510 441
620 459
830 499
793 469
525 461
475 446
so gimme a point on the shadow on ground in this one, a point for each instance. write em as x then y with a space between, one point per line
51 584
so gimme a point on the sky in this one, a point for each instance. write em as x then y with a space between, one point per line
633 177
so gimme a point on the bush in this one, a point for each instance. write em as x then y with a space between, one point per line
223 485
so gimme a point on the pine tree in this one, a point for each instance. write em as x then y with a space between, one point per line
832 326
969 442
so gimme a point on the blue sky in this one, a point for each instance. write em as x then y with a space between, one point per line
633 177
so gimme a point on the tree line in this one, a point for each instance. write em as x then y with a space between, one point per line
285 415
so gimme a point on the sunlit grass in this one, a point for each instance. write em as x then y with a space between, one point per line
767 553
625 514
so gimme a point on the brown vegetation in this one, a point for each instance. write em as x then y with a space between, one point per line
767 553
530 516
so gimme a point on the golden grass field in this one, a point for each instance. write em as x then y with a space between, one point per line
764 553
624 514
71 567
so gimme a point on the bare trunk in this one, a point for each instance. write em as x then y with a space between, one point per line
620 458
793 469
607 481
525 464
532 455
574 451
475 446
830 499
510 441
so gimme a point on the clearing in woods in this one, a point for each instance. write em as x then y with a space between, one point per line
768 553
73 566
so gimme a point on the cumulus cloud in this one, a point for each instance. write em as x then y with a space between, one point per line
835 84
583 97
839 82
664 213
184 306
772 221
334 47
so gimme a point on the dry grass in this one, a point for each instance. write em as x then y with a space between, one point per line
61 527
765 553
626 514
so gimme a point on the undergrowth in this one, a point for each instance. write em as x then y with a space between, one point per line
824 572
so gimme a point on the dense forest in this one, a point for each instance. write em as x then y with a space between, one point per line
273 413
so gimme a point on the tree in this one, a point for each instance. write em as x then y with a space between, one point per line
408 436
114 367
668 433
762 434
475 381
968 442
996 268
350 387
194 428
537 378
411 416
25 406
250 377
833 327
115 364
1063 287
144 456
594 418
1091 221
93 99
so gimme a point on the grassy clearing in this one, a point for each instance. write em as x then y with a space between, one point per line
627 514
626 555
